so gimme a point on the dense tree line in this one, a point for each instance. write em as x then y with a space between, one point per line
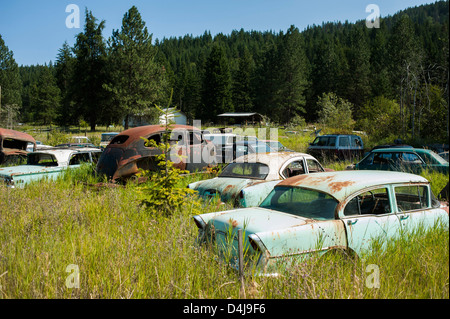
394 76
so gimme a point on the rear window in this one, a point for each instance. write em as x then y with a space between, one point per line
15 144
120 139
301 202
246 170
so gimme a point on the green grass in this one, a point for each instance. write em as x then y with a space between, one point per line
123 252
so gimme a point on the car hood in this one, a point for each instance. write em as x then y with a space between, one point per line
27 169
226 187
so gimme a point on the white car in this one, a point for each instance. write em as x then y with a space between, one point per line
47 163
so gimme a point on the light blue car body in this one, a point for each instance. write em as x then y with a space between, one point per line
335 218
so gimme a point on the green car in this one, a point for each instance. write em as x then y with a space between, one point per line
412 160
311 214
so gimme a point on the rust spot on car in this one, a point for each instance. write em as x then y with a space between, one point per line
226 189
337 186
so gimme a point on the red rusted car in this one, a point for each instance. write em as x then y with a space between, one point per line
13 145
127 152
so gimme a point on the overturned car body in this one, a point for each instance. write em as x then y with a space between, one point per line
13 145
127 152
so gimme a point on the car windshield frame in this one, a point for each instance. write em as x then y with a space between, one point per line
228 171
308 203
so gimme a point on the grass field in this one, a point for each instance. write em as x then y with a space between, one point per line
49 232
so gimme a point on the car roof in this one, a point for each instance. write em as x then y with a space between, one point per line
7 133
402 149
134 134
273 160
341 184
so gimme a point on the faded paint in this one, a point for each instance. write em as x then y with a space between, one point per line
20 139
247 192
127 153
19 176
280 236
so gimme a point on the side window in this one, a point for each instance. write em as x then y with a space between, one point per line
95 156
294 168
374 202
79 158
356 142
313 166
382 158
344 141
411 197
156 138
332 141
411 158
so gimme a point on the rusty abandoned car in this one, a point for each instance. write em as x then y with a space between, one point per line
248 179
127 152
13 146
309 215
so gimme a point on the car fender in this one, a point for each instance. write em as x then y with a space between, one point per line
253 195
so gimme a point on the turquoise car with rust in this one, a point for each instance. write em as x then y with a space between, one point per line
247 180
47 164
309 215
412 160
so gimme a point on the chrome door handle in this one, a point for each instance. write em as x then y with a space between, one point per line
351 222
404 217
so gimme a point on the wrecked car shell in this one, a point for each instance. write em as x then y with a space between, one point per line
13 145
331 211
46 163
263 171
127 153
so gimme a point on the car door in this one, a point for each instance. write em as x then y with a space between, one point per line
369 219
416 208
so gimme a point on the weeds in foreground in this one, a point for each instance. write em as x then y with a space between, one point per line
120 251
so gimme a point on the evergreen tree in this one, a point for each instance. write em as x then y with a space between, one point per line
216 93
358 82
292 74
64 78
242 80
90 72
406 63
45 98
10 82
137 79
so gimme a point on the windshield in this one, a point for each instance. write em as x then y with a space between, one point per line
301 202
433 158
41 159
245 170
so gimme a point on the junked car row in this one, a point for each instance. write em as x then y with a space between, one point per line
289 206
